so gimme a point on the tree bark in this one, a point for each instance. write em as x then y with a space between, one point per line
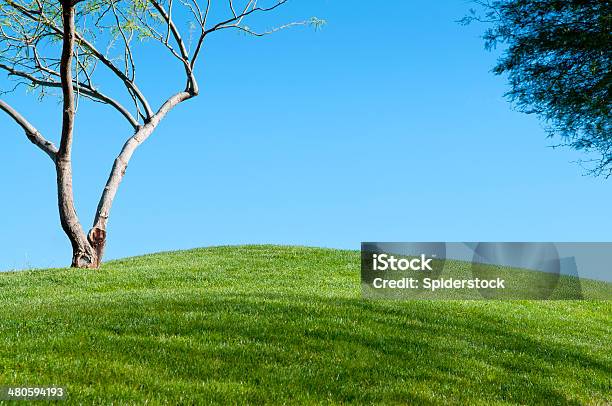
83 253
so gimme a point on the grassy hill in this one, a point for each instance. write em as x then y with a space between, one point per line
272 324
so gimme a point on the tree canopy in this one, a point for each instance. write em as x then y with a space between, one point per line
106 33
558 58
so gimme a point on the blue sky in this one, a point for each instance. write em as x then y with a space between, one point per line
384 126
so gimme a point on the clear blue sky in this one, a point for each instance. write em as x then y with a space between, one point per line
384 126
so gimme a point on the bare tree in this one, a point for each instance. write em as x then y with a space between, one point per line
50 46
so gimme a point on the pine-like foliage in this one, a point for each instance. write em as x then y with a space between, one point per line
558 58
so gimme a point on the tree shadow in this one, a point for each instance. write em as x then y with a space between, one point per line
284 347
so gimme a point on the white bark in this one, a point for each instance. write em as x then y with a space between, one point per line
98 233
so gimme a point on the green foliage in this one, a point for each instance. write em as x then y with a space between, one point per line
317 23
287 325
558 58
108 31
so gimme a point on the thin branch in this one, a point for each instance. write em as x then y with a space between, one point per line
38 16
240 17
167 16
82 88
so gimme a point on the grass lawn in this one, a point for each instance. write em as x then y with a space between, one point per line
266 324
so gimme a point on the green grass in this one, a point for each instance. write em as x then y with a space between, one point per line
264 324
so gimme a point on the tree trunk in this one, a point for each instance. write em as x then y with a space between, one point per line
84 255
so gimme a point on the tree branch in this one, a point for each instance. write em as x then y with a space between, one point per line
245 13
121 163
192 83
39 17
31 132
128 83
80 87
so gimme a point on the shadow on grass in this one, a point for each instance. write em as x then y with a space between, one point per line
292 348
